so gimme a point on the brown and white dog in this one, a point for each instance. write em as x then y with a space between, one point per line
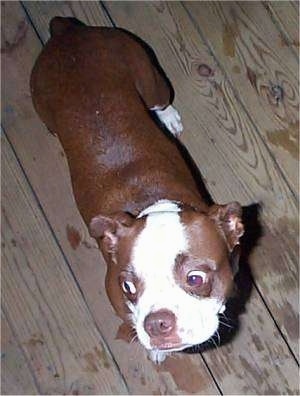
167 250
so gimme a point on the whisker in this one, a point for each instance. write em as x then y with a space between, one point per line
133 335
211 339
134 338
225 317
225 324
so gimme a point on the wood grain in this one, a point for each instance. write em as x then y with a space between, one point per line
42 157
42 301
16 377
230 154
285 15
263 73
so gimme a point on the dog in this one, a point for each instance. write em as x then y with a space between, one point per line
167 249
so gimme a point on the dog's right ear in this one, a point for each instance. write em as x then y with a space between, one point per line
110 228
229 219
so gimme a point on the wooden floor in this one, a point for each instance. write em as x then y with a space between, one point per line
234 68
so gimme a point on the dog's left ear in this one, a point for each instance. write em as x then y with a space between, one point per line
229 219
110 228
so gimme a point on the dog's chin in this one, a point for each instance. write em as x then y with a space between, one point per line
158 355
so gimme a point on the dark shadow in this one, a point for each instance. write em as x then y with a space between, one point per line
194 169
229 325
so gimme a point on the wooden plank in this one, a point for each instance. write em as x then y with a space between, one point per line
236 166
42 301
42 12
16 377
286 16
248 47
41 156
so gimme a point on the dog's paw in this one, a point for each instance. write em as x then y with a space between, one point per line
157 356
171 118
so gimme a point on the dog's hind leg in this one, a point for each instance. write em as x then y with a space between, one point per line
156 91
159 100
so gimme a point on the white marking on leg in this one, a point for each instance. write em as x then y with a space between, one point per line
170 118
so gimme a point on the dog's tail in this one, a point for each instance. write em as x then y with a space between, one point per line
58 25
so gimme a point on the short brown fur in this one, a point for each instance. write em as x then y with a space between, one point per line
92 87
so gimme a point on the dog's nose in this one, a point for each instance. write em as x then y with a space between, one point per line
160 323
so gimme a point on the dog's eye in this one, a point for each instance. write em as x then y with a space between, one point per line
196 278
128 287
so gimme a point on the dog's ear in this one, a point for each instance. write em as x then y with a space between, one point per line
229 219
110 228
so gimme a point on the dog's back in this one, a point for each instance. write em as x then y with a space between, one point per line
93 87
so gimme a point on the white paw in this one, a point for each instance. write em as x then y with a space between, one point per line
171 118
157 356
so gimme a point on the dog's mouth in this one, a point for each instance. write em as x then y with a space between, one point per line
173 348
170 346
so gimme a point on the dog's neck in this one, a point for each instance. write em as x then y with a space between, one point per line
163 205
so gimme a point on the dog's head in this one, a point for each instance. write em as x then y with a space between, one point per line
169 271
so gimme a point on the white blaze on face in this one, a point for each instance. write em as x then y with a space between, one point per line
153 260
